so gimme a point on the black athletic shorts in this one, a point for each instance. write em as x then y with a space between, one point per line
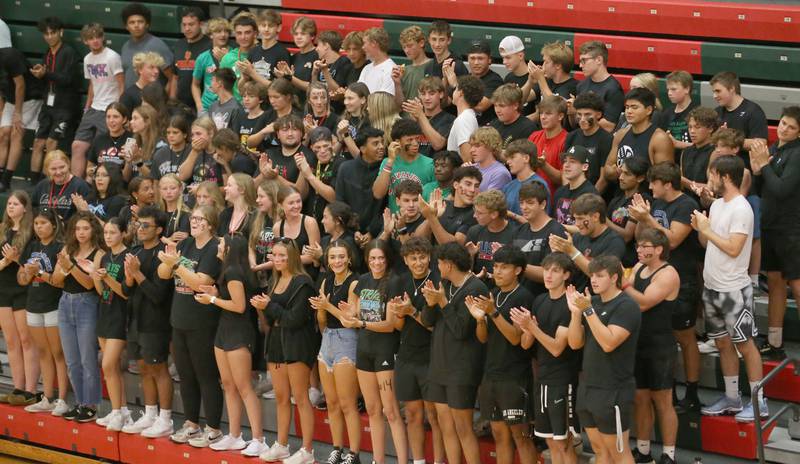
454 396
605 409
14 297
368 361
780 251
655 372
150 347
411 381
56 124
506 401
554 416
684 315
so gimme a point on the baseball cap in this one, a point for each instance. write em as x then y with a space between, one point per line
479 46
578 153
511 44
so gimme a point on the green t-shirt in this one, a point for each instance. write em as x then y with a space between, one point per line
428 188
411 77
204 67
419 170
229 61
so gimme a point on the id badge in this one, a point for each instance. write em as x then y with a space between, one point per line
51 99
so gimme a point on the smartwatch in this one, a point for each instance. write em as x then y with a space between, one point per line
588 311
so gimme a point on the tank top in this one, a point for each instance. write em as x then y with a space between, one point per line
73 286
337 293
302 237
655 335
635 145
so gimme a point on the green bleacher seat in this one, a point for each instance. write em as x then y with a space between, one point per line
752 61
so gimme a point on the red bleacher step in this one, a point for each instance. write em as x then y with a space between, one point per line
135 449
723 435
322 429
784 386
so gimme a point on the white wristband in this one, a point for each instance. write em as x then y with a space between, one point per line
575 255
213 300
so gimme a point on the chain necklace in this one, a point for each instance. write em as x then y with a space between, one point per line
337 288
450 291
500 304
418 287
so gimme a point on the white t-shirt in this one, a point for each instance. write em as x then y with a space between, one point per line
378 78
102 70
463 126
5 35
723 273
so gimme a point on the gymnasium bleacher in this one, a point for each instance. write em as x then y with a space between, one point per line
760 41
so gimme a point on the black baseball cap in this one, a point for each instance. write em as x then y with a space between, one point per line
479 46
578 153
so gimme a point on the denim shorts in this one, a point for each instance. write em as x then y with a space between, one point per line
49 319
338 346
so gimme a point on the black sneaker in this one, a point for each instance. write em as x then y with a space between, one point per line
72 413
687 405
86 414
664 459
772 353
351 458
335 457
640 458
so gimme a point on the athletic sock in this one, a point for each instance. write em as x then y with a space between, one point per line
775 336
150 410
643 446
419 461
754 279
760 392
669 451
166 414
691 390
731 386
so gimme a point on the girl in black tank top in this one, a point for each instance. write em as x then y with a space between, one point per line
307 229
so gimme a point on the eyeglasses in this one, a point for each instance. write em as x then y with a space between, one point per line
145 225
197 219
583 59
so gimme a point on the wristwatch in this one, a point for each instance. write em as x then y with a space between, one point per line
588 311
40 273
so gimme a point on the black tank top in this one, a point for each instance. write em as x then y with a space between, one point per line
635 145
337 293
73 286
655 335
302 237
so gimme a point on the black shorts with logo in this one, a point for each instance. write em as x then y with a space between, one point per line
554 415
506 401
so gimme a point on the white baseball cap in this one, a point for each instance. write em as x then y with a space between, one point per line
511 44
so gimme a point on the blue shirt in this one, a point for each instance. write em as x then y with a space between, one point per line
511 191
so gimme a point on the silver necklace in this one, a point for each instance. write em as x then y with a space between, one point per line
500 304
418 287
450 291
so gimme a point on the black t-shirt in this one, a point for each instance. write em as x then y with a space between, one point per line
315 204
168 161
611 93
522 128
536 245
749 119
612 370
550 315
684 257
150 301
487 241
230 319
108 207
286 166
415 339
354 187
303 68
47 193
491 81
187 313
42 297
511 78
115 267
266 60
598 145
434 68
245 126
607 243
8 275
694 165
676 124
373 294
14 64
177 221
131 97
185 54
206 168
108 149
504 360
617 212
563 90
442 122
244 162
456 352
457 219
339 70
563 198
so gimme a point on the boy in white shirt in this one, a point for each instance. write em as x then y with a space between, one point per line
377 74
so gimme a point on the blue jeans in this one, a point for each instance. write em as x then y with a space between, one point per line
77 321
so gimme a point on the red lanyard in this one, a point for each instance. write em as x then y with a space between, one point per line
51 64
50 201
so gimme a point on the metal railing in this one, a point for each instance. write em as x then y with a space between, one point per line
795 407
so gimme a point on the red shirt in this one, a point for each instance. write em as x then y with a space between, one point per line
550 149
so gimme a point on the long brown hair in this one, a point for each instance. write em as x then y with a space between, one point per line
148 139
294 265
96 239
25 231
270 187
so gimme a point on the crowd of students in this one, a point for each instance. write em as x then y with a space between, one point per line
428 234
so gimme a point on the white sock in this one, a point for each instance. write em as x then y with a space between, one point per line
419 461
165 413
775 336
754 279
643 446
114 411
669 451
731 386
124 410
760 392
150 410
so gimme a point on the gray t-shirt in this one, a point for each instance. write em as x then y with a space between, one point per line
222 113
148 43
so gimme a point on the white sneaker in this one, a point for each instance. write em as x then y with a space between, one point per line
133 367
144 421
255 448
707 347
229 443
270 395
301 456
276 452
103 421
183 434
173 372
263 383
163 428
207 438
42 406
60 407
117 423
315 396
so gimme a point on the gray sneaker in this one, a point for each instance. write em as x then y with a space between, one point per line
185 433
724 405
748 414
208 437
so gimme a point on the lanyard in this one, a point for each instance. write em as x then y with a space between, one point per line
50 62
51 202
